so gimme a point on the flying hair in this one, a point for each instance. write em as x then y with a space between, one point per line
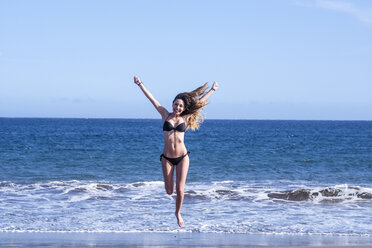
193 106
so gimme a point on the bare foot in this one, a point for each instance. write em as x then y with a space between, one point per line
179 219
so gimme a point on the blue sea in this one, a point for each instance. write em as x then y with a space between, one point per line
245 176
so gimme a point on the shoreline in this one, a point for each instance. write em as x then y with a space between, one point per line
182 231
176 239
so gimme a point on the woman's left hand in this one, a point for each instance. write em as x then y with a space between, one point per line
215 85
137 80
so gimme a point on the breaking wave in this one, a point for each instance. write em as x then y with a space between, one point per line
222 206
334 194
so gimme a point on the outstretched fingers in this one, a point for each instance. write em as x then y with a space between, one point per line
137 80
215 85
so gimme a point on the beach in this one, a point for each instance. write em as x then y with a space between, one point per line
176 239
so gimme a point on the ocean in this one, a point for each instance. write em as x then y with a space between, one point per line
245 176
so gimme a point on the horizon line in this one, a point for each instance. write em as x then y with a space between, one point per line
148 118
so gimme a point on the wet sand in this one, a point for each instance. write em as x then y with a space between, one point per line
176 239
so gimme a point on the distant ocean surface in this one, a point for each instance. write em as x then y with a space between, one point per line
245 176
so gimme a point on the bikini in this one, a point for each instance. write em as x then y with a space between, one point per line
180 128
174 161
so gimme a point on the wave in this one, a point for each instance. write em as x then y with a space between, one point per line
222 206
236 191
334 194
223 190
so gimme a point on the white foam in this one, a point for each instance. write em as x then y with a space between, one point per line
220 206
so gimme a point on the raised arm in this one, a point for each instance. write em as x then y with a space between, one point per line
210 92
162 111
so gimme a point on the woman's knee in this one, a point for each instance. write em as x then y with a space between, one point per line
180 191
169 190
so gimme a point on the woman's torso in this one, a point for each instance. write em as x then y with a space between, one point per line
174 134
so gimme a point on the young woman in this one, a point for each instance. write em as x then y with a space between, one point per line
185 115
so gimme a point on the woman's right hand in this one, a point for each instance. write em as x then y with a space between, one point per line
215 86
137 80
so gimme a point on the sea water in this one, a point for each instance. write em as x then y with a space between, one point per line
245 176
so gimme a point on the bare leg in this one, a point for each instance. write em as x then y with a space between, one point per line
168 174
181 174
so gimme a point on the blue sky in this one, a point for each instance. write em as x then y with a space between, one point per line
273 59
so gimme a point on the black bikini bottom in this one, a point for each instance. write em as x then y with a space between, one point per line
174 161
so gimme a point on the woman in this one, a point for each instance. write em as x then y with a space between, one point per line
185 115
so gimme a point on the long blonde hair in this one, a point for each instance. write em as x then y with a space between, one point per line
193 106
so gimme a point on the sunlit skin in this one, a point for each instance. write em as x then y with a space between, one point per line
174 146
178 107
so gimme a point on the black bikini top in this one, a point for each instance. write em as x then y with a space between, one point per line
169 127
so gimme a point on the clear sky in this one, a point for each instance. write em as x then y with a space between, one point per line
283 59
